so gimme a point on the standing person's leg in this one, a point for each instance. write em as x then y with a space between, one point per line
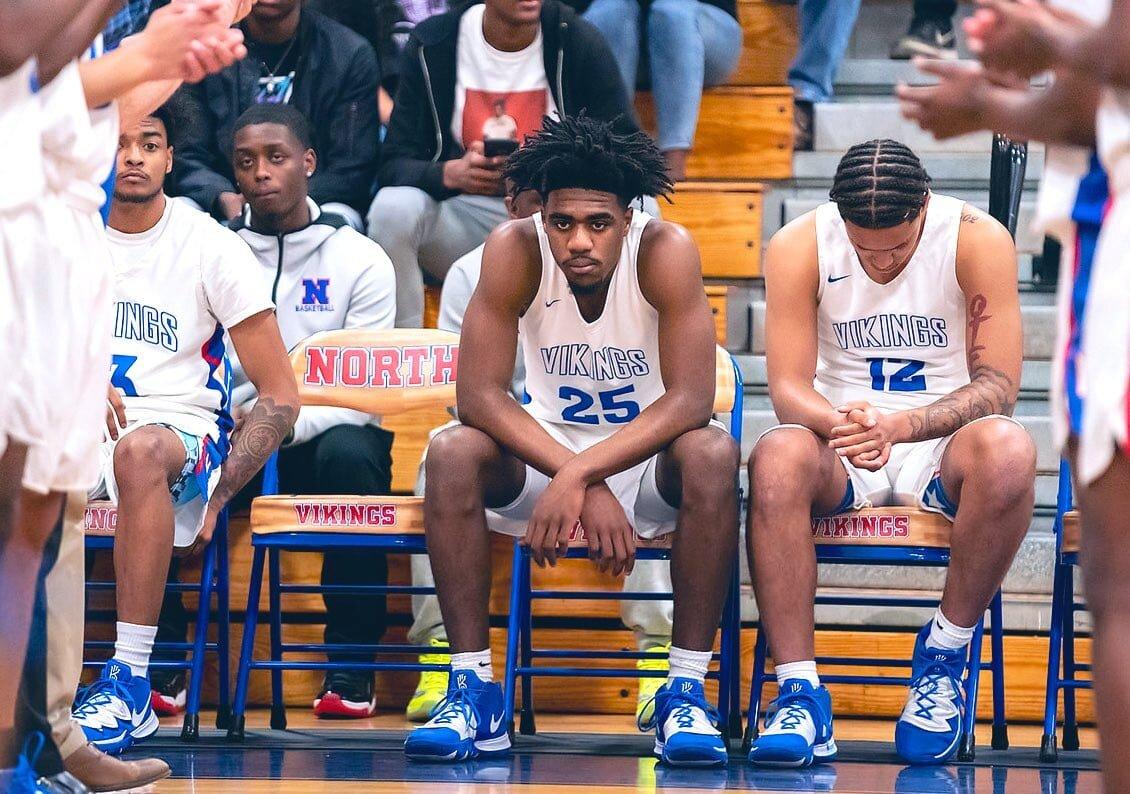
931 33
691 45
619 23
15 595
400 219
1104 507
793 475
44 514
66 617
825 29
698 475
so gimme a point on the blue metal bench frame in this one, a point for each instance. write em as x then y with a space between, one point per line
900 556
1061 637
215 579
520 653
267 549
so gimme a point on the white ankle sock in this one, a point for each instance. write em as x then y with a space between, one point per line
477 661
134 646
688 664
946 635
805 671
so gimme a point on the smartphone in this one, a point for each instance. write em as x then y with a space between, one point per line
498 147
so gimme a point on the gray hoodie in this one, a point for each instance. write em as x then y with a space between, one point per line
322 277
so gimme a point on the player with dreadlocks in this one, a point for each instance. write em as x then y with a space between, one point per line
615 433
893 345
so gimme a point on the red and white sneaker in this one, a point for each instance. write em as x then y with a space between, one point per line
346 695
168 694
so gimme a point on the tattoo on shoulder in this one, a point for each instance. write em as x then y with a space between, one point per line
969 217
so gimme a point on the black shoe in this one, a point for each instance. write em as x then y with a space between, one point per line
168 692
802 126
346 694
930 37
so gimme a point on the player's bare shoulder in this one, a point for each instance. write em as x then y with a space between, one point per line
977 228
792 253
660 238
512 261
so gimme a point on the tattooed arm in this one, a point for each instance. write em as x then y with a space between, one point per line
264 359
986 272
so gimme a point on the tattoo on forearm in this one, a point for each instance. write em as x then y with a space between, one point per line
990 392
261 433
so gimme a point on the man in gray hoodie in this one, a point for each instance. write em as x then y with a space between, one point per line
321 275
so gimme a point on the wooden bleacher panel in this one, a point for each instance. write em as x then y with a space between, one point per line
431 305
769 42
725 220
1071 531
743 133
716 298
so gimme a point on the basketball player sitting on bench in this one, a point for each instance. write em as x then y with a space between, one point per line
181 280
893 345
619 352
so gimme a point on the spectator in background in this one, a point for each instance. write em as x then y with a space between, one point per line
931 32
312 260
295 56
441 194
825 29
688 45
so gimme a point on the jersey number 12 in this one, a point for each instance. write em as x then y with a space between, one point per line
905 378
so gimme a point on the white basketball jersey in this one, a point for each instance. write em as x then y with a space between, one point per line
898 345
590 379
21 170
177 287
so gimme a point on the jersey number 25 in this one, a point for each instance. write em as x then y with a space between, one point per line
614 410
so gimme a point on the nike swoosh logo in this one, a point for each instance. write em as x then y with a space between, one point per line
550 303
494 723
834 279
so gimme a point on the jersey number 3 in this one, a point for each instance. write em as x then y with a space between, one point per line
906 378
118 377
613 409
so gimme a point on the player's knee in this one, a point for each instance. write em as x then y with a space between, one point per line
138 461
782 463
456 455
710 464
1003 447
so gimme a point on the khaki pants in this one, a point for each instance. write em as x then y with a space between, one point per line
66 616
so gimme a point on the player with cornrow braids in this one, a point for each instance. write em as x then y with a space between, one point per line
893 345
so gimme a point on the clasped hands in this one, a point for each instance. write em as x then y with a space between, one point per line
865 435
565 502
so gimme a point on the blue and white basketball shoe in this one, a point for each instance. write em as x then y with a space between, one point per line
686 726
929 729
468 723
115 711
798 727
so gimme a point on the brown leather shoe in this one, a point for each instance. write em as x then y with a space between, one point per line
103 772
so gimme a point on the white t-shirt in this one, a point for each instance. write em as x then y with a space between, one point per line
177 287
485 76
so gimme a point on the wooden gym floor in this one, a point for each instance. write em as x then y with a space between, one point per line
318 756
